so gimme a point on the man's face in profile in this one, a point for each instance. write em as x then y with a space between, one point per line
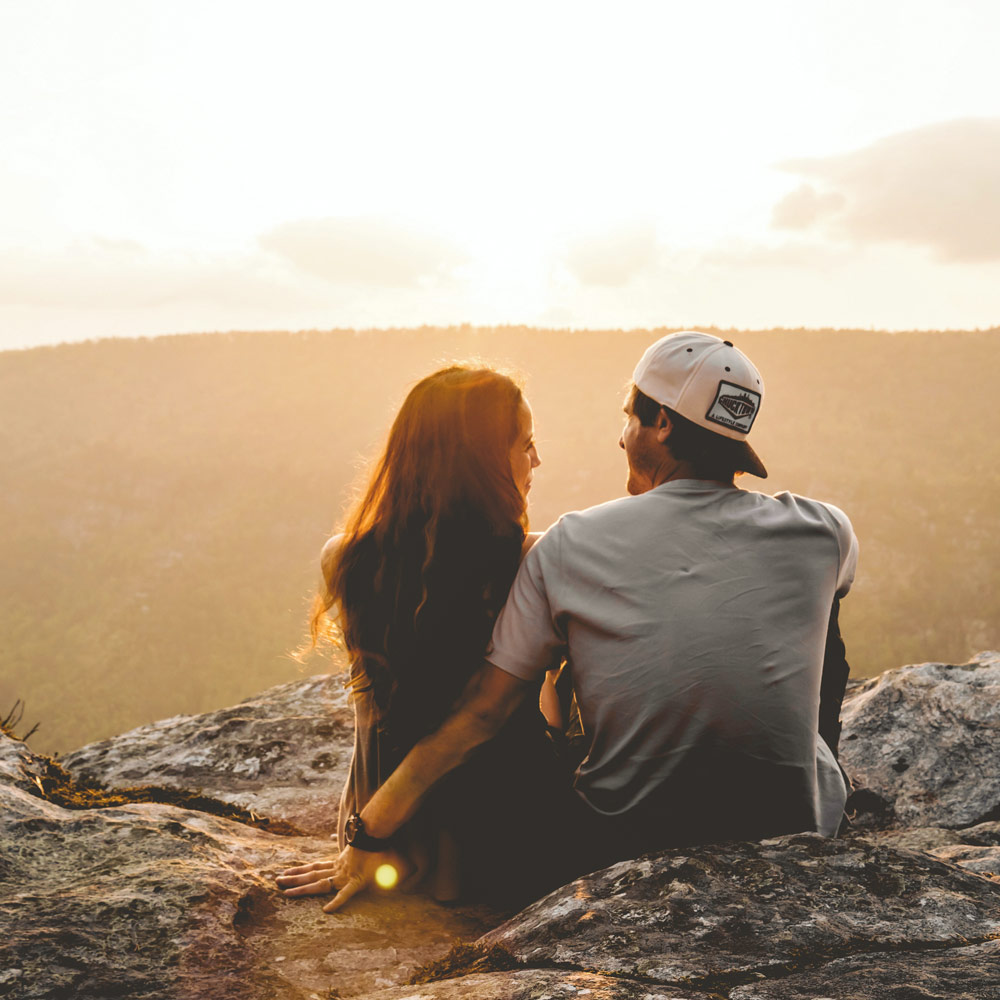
641 451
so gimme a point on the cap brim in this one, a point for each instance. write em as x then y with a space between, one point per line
751 462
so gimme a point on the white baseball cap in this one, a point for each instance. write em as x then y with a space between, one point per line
709 382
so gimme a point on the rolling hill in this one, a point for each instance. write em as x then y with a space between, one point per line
164 500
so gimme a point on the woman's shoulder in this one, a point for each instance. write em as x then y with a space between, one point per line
328 554
330 546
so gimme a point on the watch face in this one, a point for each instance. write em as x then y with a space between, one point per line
353 827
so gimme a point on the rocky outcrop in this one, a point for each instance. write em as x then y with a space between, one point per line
971 973
922 742
719 915
976 848
539 984
282 754
919 743
155 900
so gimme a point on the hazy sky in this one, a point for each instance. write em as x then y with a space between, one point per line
186 166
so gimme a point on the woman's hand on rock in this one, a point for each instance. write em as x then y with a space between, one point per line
307 880
346 876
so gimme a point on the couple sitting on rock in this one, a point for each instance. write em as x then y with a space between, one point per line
696 622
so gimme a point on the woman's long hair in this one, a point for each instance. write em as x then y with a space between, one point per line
430 549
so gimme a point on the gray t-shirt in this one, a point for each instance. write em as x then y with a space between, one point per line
693 616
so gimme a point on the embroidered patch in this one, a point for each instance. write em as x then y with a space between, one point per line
734 406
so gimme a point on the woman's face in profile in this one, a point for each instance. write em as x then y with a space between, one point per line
523 453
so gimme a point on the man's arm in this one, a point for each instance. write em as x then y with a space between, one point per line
834 682
489 699
525 641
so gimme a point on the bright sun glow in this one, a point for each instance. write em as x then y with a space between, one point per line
386 876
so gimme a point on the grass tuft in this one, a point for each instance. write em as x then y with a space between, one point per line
13 719
55 784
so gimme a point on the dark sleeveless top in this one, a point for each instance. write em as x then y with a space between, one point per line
431 660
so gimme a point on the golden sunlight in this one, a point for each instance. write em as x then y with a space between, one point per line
386 876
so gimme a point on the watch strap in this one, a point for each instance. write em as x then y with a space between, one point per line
358 837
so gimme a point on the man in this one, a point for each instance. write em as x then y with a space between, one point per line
694 616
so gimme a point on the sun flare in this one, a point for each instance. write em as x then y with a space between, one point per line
386 877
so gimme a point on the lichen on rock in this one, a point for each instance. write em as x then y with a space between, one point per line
721 913
283 754
921 742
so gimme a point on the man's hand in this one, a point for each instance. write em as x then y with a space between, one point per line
345 876
487 702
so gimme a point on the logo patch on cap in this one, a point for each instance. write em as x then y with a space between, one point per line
734 406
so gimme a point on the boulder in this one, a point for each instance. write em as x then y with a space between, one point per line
921 838
960 973
718 916
283 753
976 848
921 742
984 861
971 973
538 984
918 741
984 834
157 902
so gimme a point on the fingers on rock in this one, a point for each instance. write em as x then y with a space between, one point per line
352 887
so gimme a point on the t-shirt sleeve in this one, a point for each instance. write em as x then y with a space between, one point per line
526 637
848 543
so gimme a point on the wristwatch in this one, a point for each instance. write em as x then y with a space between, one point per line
357 836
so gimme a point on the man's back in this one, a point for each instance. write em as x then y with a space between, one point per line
694 616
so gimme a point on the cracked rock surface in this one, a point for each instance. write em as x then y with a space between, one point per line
159 901
922 740
975 848
971 973
283 753
960 973
538 984
724 912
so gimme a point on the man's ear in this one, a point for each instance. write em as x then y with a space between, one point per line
664 426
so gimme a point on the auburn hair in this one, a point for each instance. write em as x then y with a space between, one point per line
430 549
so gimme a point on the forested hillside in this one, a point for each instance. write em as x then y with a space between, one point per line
164 500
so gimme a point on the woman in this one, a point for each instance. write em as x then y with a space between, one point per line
416 581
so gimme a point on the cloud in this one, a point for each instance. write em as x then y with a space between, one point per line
366 250
936 187
611 256
99 273
794 255
806 206
298 263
